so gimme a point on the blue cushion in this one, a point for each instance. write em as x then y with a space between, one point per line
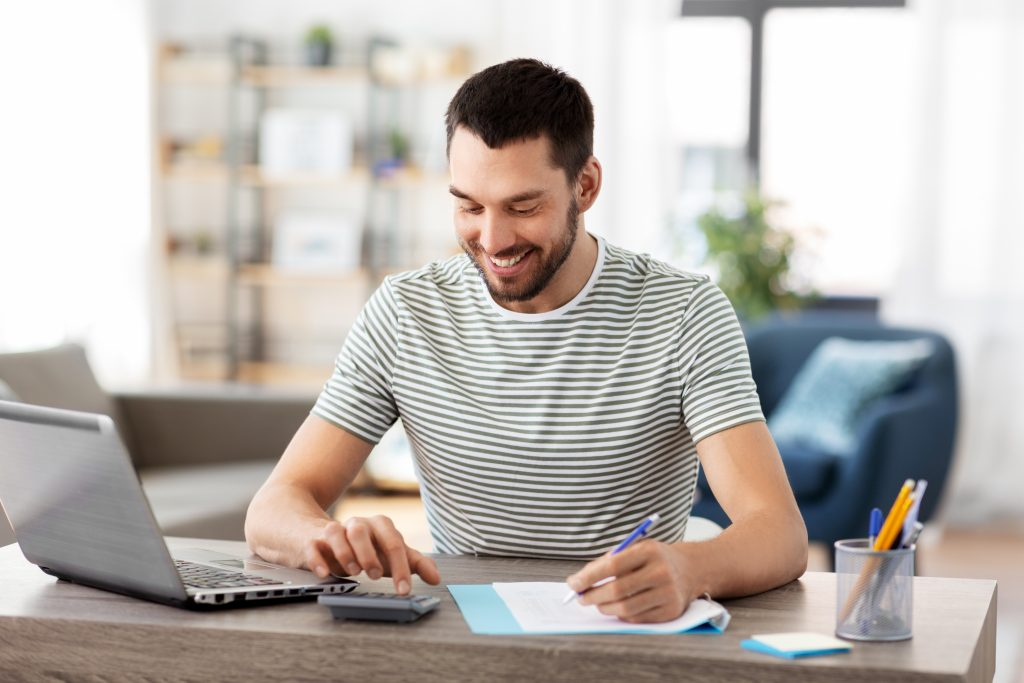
836 384
811 472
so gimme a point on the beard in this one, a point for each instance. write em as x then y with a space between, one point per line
505 290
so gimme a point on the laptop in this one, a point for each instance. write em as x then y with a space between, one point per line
79 513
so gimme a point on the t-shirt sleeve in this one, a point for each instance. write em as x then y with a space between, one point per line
718 389
358 397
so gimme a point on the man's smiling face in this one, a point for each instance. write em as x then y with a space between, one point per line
516 216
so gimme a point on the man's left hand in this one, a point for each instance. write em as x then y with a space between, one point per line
652 582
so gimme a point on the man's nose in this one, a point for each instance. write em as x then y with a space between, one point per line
496 234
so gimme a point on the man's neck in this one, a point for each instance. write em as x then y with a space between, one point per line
570 279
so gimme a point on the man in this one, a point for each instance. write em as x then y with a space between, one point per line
555 388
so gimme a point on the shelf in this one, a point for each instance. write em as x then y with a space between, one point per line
260 274
196 172
204 371
198 267
285 373
214 70
303 76
251 175
217 71
266 275
412 176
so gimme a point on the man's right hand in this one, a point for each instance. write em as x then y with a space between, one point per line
370 544
287 522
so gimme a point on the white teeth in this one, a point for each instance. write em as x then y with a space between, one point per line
507 262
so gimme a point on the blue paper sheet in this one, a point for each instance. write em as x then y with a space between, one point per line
486 613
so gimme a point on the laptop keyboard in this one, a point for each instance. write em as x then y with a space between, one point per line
202 576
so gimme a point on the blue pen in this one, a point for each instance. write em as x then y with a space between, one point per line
638 533
875 527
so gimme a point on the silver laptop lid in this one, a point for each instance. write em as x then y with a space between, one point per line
77 508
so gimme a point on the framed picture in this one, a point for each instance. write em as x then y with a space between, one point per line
316 240
305 141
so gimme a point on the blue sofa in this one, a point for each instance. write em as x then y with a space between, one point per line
907 434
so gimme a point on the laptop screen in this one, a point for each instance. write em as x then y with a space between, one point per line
75 502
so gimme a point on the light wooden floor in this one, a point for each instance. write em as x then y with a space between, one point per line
968 553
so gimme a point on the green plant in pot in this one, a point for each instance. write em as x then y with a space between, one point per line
319 42
753 258
398 145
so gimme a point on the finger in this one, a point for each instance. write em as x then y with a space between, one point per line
609 566
391 544
360 539
319 558
624 586
656 614
636 604
335 537
424 566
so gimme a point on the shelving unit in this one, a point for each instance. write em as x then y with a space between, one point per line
269 76
229 298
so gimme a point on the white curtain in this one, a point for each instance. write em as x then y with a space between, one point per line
962 273
617 51
75 180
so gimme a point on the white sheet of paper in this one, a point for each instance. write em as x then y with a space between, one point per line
538 608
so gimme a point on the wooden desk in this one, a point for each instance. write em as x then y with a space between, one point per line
62 631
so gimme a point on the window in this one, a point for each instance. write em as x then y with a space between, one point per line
708 83
74 248
815 105
838 137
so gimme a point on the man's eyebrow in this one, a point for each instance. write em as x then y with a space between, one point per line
514 199
525 196
459 193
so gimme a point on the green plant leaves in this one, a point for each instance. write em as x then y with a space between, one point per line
753 258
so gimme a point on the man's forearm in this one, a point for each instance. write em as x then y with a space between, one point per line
280 521
752 555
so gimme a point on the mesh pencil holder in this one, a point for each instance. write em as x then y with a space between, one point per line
874 591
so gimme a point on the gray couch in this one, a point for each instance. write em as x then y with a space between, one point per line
201 453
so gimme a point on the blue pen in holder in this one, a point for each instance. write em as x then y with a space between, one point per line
874 591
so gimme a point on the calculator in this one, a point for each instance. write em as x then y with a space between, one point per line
379 606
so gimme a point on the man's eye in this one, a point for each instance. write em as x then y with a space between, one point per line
471 209
524 212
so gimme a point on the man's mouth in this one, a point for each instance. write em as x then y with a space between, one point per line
507 262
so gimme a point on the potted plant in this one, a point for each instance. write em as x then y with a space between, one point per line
319 42
753 258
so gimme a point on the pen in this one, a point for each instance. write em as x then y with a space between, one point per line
911 520
638 533
875 526
915 533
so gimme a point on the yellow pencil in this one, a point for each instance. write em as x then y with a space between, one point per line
886 541
890 519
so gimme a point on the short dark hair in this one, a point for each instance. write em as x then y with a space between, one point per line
523 99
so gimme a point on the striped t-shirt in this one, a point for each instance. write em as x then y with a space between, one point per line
549 434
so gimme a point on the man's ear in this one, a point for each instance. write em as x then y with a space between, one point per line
589 184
